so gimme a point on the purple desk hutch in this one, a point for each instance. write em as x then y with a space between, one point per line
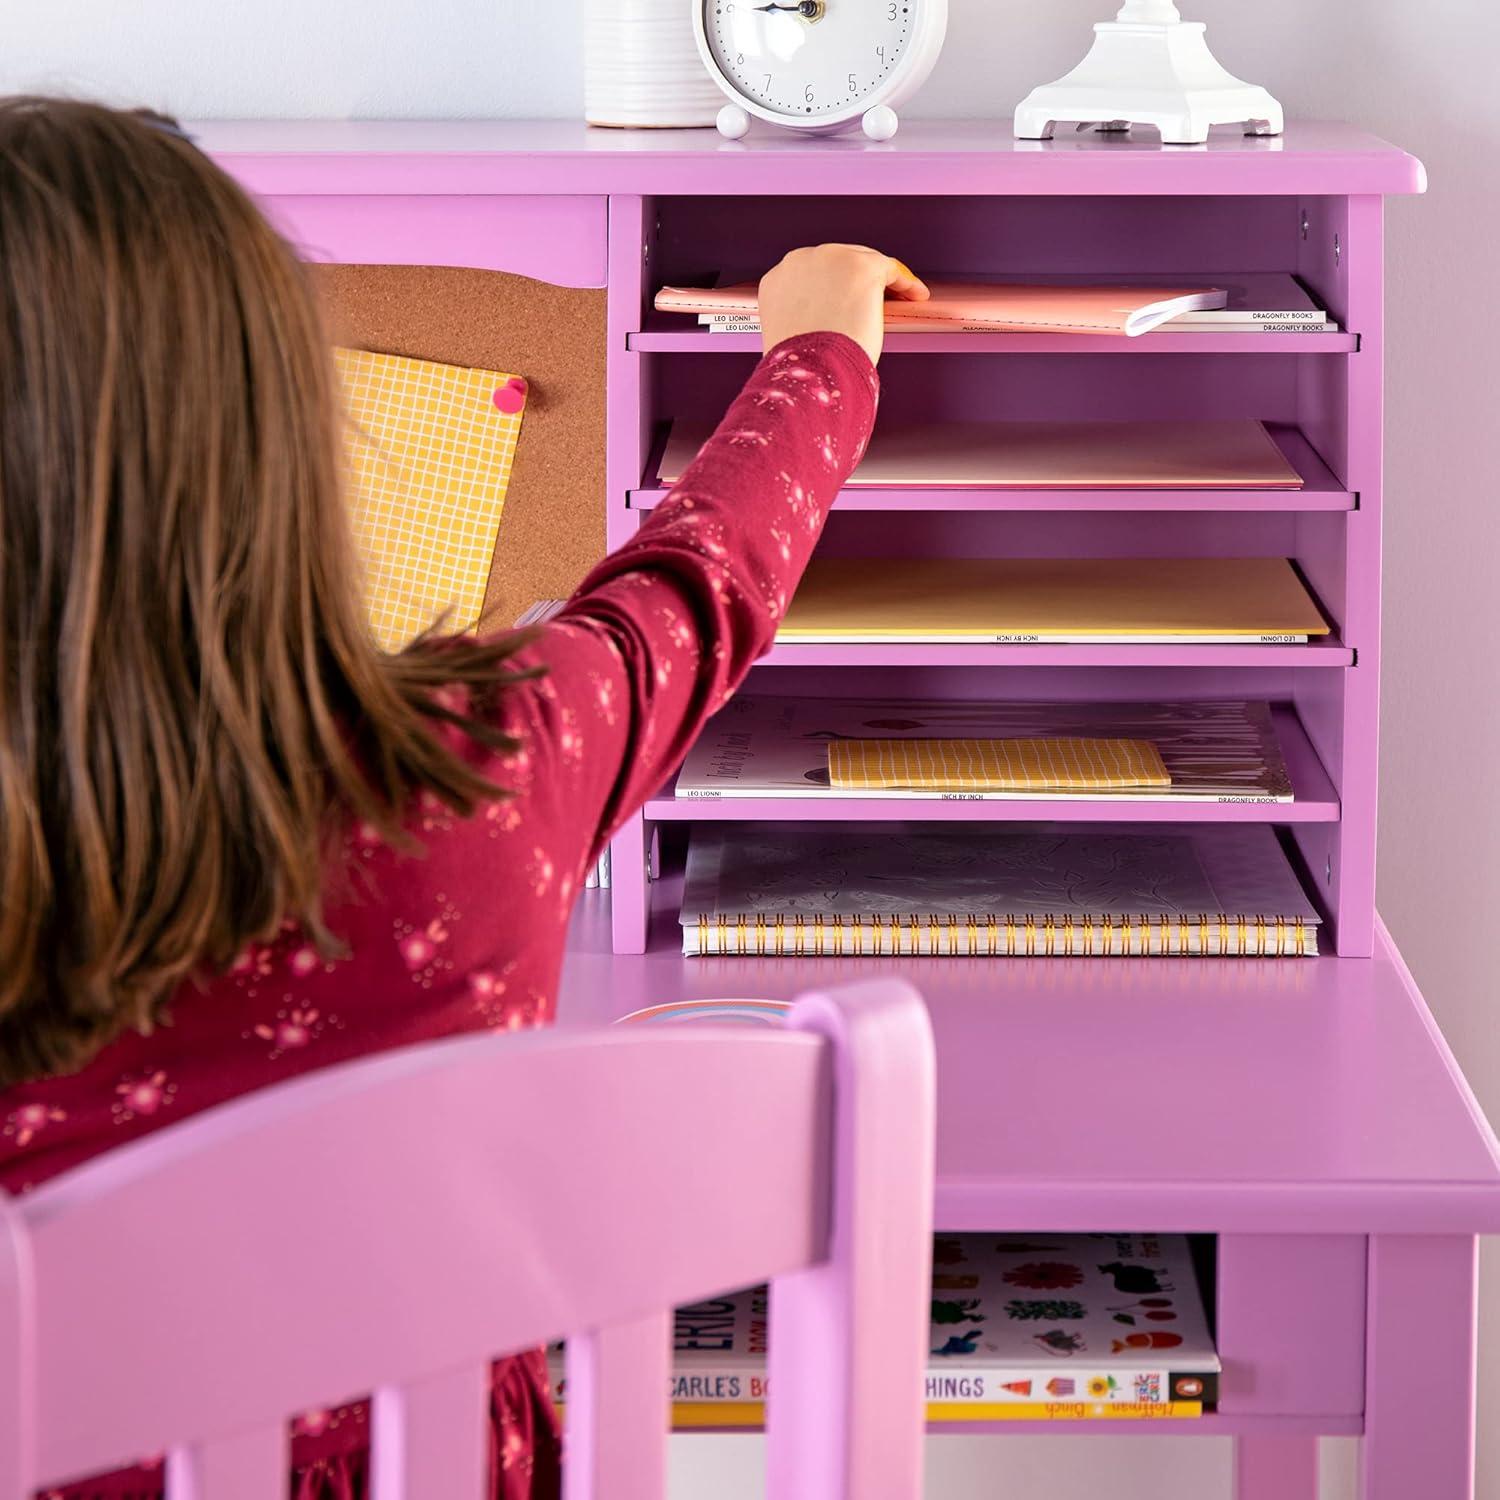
1307 1113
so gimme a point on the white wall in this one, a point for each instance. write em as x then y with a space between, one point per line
1420 74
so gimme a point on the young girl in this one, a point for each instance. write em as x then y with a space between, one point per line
237 842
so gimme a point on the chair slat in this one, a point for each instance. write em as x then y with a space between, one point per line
17 1382
429 1437
251 1465
618 1411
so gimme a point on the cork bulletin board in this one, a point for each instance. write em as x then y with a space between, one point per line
552 527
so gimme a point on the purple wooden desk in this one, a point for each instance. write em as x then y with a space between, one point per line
1307 1113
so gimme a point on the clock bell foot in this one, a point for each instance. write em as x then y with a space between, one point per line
733 122
881 122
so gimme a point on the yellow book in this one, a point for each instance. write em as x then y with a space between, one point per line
993 765
428 459
699 1414
956 599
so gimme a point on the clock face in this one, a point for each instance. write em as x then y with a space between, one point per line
810 59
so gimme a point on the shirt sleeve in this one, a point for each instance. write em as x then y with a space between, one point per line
664 630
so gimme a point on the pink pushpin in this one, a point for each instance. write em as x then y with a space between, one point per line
511 396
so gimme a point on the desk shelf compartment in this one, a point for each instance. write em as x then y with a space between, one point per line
665 370
672 837
1321 491
1316 544
1307 714
1316 802
959 385
694 240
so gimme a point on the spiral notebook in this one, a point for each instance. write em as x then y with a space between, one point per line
1037 890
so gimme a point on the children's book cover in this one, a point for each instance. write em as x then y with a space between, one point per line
1024 1328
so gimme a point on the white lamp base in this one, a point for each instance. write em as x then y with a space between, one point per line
1150 73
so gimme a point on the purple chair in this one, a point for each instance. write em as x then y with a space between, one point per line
376 1228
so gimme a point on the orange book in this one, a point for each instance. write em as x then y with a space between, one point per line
996 307
1030 599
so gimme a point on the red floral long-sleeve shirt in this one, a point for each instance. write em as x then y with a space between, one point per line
470 935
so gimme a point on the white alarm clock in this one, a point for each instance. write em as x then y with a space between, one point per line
818 65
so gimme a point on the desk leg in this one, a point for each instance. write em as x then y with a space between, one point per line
1419 1368
1275 1468
629 889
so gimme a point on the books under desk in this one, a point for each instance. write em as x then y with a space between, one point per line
1045 1327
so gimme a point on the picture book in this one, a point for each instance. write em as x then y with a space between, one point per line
1008 600
999 307
763 746
977 890
998 765
1091 455
1032 1327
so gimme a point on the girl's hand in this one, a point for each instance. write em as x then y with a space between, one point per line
834 288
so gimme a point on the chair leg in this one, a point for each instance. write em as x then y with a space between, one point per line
1275 1468
618 1411
1419 1369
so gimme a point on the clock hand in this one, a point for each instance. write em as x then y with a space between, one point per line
812 9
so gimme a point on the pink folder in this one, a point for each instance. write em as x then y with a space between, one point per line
990 307
1226 455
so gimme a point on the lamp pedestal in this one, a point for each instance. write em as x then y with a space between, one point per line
1150 67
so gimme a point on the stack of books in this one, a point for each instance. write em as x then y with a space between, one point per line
1052 1328
1242 302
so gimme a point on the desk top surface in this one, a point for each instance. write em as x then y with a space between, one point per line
949 157
1298 1095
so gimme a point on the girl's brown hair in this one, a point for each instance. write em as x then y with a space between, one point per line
190 700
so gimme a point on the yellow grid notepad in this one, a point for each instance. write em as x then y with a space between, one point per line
1030 765
427 463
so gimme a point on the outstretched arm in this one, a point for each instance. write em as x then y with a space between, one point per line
663 631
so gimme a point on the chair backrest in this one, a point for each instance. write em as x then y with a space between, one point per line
390 1225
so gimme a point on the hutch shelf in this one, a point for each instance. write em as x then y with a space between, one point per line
1306 1113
